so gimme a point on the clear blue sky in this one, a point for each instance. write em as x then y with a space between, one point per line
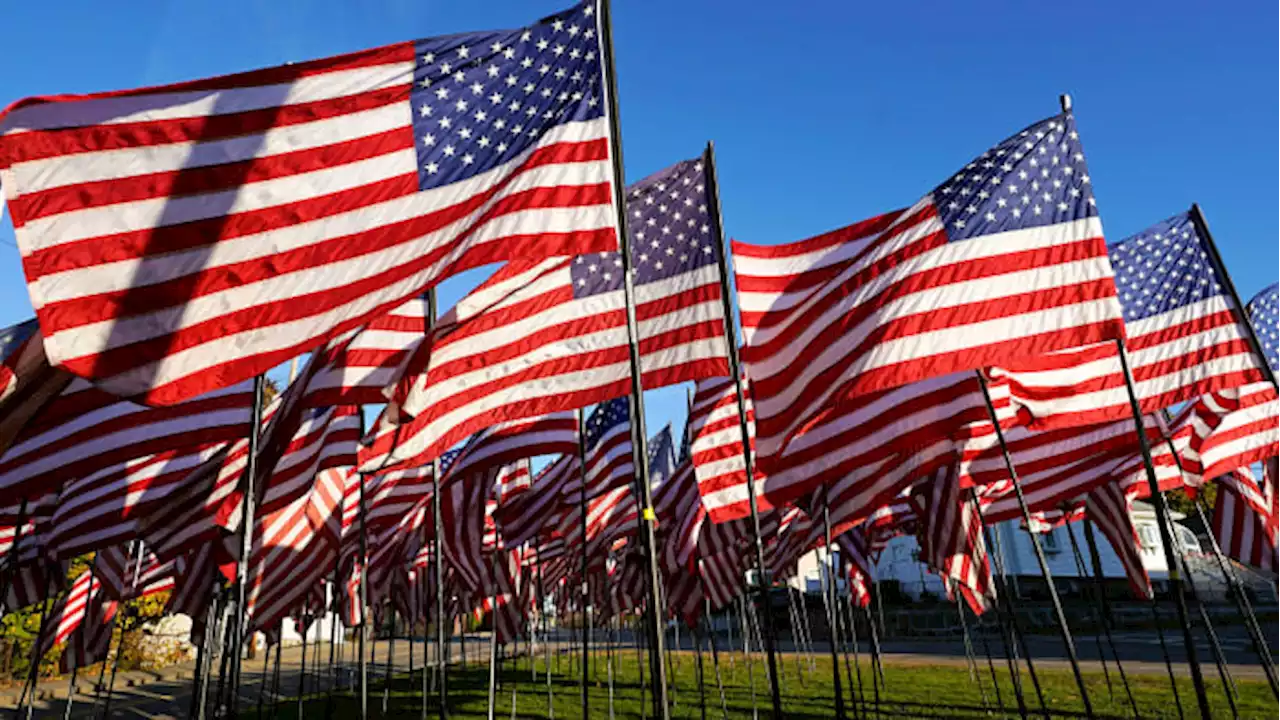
822 112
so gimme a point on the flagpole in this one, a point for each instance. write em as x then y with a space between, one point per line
639 438
725 257
333 639
1010 632
1166 536
248 504
582 515
493 642
1059 614
437 564
829 594
1080 571
715 652
364 607
391 650
1099 594
33 675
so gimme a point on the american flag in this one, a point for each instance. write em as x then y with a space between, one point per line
1185 337
362 363
66 615
681 514
951 539
716 450
295 547
84 430
607 437
371 176
108 507
871 447
1111 509
1262 309
1244 518
1226 430
1005 258
662 457
523 517
27 382
552 335
395 445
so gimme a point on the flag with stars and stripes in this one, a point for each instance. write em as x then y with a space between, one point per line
1262 311
546 336
27 382
182 238
609 460
1004 259
1185 337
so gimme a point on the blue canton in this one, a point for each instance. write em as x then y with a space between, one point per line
1035 178
662 457
481 99
11 338
669 225
1163 268
605 417
1262 313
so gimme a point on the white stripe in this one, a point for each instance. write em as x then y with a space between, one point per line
203 103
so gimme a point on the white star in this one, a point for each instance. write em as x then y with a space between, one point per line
448 150
428 139
542 44
424 110
465 133
480 116
483 142
557 25
468 159
432 168
461 105
463 51
501 148
446 122
477 88
442 93
428 58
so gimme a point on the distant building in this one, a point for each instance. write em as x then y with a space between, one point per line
899 561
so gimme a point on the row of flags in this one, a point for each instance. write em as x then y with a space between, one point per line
180 241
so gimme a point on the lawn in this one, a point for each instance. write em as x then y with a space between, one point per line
938 691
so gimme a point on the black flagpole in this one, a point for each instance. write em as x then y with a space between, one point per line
975 675
391 650
493 642
1080 571
1011 635
582 518
333 643
302 671
1104 608
1059 614
437 564
829 593
1166 537
731 342
248 504
1097 591
33 674
362 628
639 439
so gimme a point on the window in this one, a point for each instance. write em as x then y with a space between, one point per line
1147 536
1049 541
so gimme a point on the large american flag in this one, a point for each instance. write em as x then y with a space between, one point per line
552 335
219 227
1185 337
361 364
1005 258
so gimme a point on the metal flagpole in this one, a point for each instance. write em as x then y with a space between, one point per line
715 652
302 672
1166 537
1242 602
829 593
746 653
582 519
204 660
731 342
1010 629
391 650
80 640
857 694
610 639
33 673
1099 593
362 628
248 503
991 666
806 632
639 438
1215 647
493 645
1097 639
975 675
333 644
266 669
701 670
137 569
1059 614
877 657
275 675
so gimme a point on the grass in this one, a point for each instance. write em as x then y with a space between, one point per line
933 691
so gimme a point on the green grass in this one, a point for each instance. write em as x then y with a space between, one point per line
933 691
